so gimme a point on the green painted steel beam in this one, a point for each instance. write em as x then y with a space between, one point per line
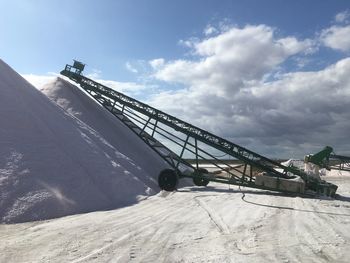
108 97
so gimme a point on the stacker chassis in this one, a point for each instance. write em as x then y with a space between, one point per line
173 140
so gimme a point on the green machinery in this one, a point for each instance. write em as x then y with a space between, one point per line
325 159
175 141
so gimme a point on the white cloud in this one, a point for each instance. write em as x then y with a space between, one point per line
130 88
157 63
231 59
96 73
130 67
337 37
226 91
301 62
210 30
189 42
298 114
342 16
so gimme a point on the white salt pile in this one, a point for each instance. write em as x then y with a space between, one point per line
69 158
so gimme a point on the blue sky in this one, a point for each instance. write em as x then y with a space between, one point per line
40 36
270 75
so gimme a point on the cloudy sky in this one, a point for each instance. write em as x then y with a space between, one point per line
273 76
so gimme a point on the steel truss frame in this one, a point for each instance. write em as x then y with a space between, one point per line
339 162
154 126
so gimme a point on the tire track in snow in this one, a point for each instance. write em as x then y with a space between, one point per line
321 236
137 229
272 231
125 237
297 236
215 218
159 242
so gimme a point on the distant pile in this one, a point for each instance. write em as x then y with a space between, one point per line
66 158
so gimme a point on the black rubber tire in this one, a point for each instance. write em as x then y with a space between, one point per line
199 181
168 180
203 170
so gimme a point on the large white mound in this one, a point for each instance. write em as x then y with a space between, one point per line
53 163
77 103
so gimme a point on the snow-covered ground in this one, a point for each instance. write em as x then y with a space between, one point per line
194 224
